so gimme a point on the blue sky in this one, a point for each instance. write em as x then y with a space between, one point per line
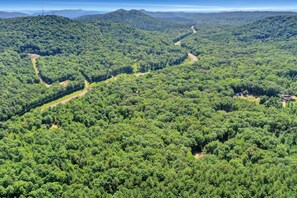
154 5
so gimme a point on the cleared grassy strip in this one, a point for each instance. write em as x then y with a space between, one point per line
35 68
60 100
37 72
33 59
249 98
67 98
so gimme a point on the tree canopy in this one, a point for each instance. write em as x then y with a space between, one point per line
218 127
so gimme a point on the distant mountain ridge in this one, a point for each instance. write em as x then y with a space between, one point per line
71 13
134 18
12 14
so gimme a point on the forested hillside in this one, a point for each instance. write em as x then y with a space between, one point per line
73 50
137 137
224 125
267 63
272 28
222 19
136 19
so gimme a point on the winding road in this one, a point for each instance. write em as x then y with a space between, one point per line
67 98
87 87
191 56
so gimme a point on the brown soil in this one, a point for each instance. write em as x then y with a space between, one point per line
177 43
65 83
199 155
54 126
33 56
192 57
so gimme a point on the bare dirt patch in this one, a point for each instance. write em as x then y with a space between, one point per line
192 57
199 155
33 56
140 74
194 30
65 83
177 43
54 126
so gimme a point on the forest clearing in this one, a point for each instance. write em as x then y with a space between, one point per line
67 98
192 57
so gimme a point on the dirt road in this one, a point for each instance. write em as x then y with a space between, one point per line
33 59
194 31
69 97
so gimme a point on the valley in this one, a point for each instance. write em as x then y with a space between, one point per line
134 103
53 102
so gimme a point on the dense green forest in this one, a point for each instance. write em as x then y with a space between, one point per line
73 50
221 19
262 55
135 137
218 127
137 19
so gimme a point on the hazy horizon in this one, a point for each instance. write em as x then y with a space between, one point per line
150 5
107 11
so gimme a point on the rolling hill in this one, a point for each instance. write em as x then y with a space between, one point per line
75 51
222 126
214 128
137 19
217 19
271 28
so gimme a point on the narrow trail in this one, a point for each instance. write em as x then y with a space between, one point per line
33 59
